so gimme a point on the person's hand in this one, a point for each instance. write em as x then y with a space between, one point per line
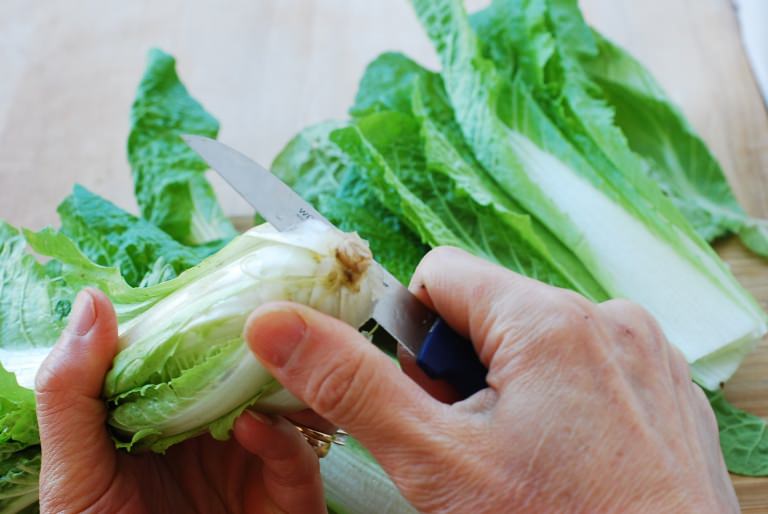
269 468
588 408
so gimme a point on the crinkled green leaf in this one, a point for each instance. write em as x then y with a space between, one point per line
429 176
19 441
443 211
33 307
33 303
109 236
18 425
388 84
571 169
145 408
326 177
743 437
579 123
169 178
78 271
19 477
613 110
680 160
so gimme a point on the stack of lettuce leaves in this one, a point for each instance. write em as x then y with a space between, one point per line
539 145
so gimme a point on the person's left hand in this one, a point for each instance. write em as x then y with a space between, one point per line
268 468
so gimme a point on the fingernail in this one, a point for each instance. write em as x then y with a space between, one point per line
261 418
83 314
274 335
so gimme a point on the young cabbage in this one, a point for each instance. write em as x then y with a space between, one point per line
183 367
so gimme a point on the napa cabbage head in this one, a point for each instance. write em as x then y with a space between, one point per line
183 367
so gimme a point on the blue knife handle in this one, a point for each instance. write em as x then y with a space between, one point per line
447 356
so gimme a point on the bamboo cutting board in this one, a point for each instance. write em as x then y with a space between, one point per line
268 68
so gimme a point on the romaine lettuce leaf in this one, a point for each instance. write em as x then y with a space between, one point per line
324 175
169 178
388 85
19 442
78 271
585 185
743 437
109 236
18 424
19 477
429 176
34 302
447 212
613 110
679 158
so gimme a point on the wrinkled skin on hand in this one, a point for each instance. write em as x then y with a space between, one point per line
266 468
588 409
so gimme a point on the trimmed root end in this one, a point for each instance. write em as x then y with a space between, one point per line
354 258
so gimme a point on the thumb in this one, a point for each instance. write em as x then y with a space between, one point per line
339 374
75 445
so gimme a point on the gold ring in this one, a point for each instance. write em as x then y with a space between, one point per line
321 442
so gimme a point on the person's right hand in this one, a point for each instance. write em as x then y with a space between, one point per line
588 408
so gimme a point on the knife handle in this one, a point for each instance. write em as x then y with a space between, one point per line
446 355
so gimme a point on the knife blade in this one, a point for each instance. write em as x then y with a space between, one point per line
439 351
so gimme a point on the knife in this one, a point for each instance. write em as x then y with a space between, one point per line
438 349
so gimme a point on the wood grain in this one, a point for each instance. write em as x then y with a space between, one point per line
268 68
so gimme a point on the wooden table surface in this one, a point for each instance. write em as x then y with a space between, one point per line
267 68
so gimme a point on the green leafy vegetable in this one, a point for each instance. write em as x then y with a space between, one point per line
519 152
329 179
19 446
19 477
425 171
34 303
530 148
101 245
169 180
77 272
679 158
182 366
109 236
591 192
743 437
607 103
17 415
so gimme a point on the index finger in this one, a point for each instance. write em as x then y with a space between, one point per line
487 303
